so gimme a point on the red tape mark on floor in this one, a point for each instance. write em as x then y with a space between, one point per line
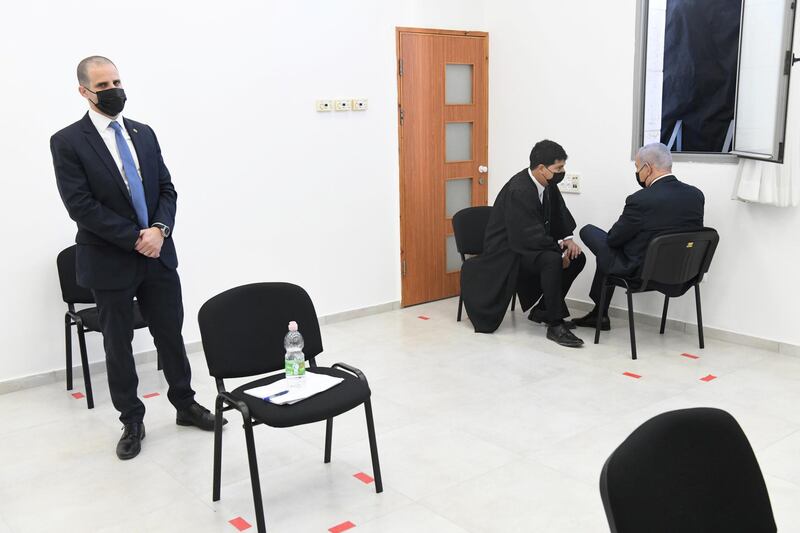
690 356
78 395
631 375
708 378
423 317
152 395
364 478
344 526
240 523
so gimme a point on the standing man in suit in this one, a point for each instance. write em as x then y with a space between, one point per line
528 248
115 186
664 205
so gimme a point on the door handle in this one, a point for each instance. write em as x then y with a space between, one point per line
483 169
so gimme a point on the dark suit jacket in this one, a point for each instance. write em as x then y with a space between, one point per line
667 206
98 200
519 226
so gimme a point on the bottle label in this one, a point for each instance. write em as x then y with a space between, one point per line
295 368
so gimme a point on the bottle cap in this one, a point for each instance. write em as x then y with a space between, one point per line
292 326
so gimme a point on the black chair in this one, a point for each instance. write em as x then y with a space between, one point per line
687 471
469 227
673 263
242 331
87 319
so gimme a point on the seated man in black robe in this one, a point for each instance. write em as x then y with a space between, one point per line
664 205
528 248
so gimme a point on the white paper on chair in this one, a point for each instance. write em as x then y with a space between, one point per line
281 393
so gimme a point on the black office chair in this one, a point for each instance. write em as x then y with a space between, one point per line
242 330
469 227
673 263
687 471
84 320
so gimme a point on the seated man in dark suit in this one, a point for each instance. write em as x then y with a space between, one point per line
664 205
528 248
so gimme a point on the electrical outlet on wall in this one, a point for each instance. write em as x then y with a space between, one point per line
343 105
324 105
571 184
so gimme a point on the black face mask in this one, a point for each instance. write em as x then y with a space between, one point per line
640 183
110 101
558 177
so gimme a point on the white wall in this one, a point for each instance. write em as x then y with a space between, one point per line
268 188
564 70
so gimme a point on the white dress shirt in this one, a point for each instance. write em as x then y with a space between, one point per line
540 190
103 125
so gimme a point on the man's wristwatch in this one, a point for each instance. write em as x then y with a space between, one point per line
165 231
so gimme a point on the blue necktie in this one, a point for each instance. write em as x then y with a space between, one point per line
134 181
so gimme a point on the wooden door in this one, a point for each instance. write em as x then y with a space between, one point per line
443 130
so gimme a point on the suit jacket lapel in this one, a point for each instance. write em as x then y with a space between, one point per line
137 144
102 151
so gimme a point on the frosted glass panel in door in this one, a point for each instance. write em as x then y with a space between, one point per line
458 141
458 195
453 257
458 84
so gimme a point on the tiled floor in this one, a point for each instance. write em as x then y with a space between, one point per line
476 433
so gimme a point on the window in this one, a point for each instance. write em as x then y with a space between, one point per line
712 77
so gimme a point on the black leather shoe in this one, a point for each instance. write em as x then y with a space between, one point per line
130 444
590 321
197 415
537 316
563 336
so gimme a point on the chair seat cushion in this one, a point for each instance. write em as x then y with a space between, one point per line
348 394
91 318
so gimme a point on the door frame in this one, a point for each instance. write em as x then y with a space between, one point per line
399 30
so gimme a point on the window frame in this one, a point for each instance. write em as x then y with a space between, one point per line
639 80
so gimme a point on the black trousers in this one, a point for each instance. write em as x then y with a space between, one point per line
158 290
555 282
596 240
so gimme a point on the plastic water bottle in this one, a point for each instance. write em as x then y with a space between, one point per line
295 360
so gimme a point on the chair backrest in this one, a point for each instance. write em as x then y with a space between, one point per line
71 292
469 227
686 471
678 258
242 329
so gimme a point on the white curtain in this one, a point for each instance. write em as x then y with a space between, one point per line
771 183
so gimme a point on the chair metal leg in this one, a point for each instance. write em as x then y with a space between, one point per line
373 448
217 449
87 379
254 480
513 301
602 305
68 346
631 324
664 315
460 305
699 316
328 439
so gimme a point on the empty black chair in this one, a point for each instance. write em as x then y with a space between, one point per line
87 319
469 227
686 471
242 330
673 263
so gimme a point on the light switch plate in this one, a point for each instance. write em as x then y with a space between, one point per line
343 105
571 184
324 105
360 104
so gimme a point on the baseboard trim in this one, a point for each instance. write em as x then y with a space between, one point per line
691 329
150 356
